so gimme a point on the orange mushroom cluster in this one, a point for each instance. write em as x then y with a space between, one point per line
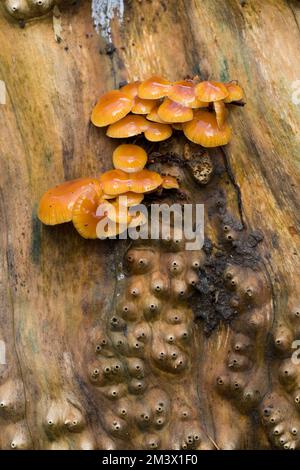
156 106
100 207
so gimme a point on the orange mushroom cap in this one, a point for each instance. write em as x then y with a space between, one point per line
235 92
129 158
130 199
57 203
131 89
118 182
154 88
156 132
184 93
169 182
129 126
111 107
141 106
84 216
169 111
145 181
211 91
154 117
115 182
221 112
204 130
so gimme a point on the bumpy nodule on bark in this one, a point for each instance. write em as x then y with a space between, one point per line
28 9
143 360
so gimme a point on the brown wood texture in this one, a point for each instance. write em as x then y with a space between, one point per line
58 291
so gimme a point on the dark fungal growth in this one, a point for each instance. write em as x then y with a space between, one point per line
213 299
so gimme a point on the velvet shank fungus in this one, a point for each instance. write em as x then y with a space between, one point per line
184 93
170 111
84 216
130 199
157 132
109 205
140 106
235 92
221 112
154 117
117 182
129 158
57 203
111 107
129 126
204 130
169 182
211 91
156 106
131 89
154 88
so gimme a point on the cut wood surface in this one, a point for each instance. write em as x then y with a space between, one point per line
57 290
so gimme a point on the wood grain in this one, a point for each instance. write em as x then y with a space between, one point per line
57 289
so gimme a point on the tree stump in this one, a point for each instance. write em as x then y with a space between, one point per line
214 371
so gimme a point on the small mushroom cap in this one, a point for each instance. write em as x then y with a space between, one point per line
141 106
169 182
131 89
184 93
204 130
129 126
129 158
157 132
235 92
211 91
221 112
169 111
130 199
145 181
154 117
154 88
84 216
111 107
117 182
57 203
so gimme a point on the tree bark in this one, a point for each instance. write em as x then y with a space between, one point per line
235 384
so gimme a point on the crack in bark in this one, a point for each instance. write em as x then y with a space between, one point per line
235 185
